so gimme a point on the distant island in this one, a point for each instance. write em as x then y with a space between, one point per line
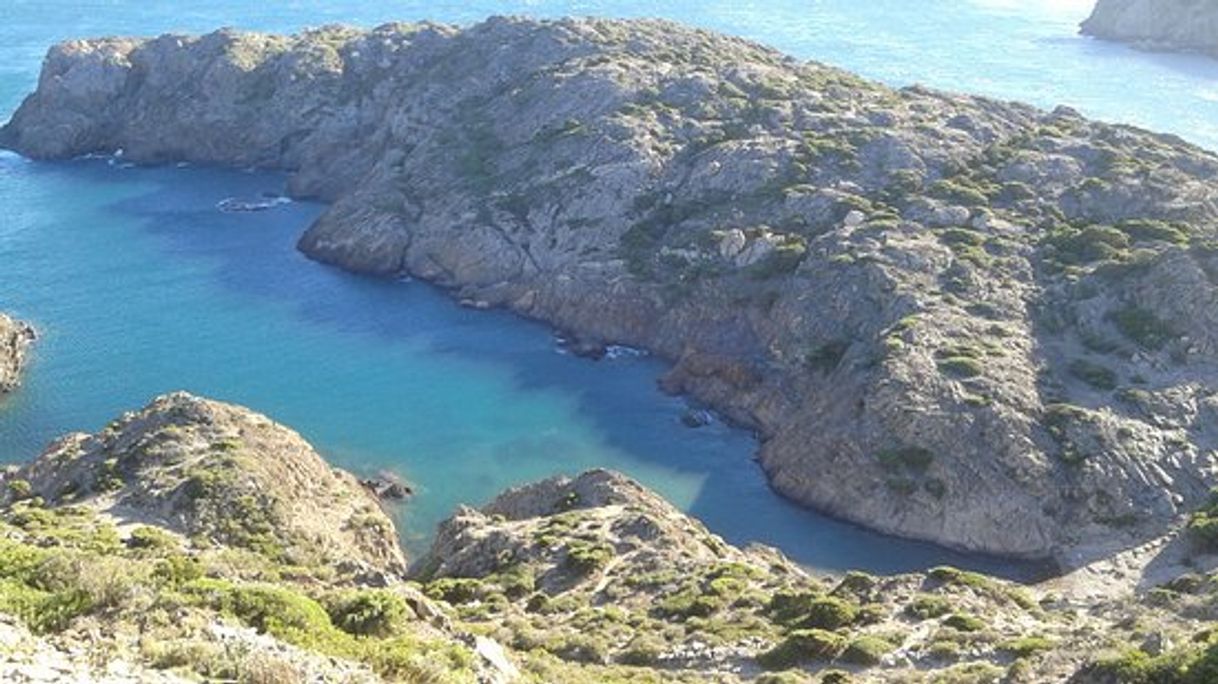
1171 25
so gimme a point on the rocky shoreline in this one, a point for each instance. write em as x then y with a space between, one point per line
949 318
1166 25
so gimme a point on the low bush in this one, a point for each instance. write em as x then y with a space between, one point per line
866 651
1096 375
803 645
377 613
963 622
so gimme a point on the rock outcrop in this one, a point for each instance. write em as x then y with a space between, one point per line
950 318
224 474
1173 25
15 339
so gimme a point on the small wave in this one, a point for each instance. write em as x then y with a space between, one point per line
620 351
234 205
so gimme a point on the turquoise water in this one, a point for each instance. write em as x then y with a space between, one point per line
140 286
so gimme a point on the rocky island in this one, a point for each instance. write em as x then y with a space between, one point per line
198 540
948 317
1173 25
15 339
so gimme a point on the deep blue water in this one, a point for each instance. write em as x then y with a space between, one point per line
140 286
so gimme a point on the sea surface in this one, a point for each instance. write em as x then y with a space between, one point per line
140 285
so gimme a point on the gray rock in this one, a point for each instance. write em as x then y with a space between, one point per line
15 339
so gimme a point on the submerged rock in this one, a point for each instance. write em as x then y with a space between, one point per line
951 318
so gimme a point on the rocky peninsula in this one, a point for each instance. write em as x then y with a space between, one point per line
195 540
1171 25
15 339
948 317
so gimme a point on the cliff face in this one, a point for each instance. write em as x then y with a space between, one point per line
950 318
1177 25
15 339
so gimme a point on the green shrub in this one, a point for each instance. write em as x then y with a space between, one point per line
1025 646
1093 243
1094 374
1203 524
455 590
152 539
177 569
689 602
516 581
928 606
643 650
803 645
586 558
961 366
958 192
913 458
377 613
19 489
1147 229
866 651
1143 327
829 613
827 357
963 622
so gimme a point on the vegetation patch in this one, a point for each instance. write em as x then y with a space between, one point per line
1143 327
1096 375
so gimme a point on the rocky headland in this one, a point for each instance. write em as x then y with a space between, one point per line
948 317
1169 25
193 540
15 340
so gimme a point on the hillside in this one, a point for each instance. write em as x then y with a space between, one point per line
949 318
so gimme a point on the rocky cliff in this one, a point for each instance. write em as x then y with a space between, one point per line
1176 25
950 318
194 540
15 339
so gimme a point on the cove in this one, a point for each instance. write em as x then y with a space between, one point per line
141 285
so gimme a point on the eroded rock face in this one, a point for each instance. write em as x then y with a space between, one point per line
1176 25
15 339
950 318
227 475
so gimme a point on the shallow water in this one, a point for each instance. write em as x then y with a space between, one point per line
140 285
